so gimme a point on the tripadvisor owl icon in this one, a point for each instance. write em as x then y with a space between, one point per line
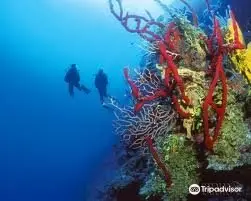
194 189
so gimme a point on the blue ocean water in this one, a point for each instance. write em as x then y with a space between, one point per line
52 145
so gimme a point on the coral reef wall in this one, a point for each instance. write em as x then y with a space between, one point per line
190 104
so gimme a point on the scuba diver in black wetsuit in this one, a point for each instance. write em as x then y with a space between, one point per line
72 77
101 82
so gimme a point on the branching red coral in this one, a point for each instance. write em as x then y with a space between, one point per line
151 88
172 38
157 159
135 90
172 78
171 41
177 107
217 52
143 25
170 64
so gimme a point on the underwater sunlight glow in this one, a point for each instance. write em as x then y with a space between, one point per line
134 6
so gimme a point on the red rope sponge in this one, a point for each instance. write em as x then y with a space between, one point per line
157 159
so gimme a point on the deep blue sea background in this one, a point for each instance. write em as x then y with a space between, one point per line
52 146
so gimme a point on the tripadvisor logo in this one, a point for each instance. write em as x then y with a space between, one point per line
214 188
194 189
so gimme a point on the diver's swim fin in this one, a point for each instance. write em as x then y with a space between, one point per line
87 91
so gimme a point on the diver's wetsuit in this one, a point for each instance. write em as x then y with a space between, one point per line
101 83
72 78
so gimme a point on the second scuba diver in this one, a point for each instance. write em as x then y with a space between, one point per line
101 82
72 77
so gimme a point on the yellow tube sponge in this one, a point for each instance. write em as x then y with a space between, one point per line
240 58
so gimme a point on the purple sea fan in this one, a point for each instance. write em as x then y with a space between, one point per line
153 120
148 81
